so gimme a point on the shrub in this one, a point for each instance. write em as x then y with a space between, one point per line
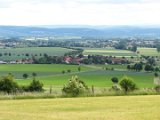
63 71
157 88
75 87
25 75
127 84
114 79
68 71
156 74
8 85
112 69
116 88
79 69
35 86
34 74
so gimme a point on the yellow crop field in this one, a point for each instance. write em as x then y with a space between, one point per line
89 108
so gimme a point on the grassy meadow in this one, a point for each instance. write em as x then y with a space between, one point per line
20 53
90 108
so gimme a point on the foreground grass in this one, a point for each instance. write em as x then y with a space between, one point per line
97 108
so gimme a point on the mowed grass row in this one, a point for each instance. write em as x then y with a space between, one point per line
108 52
20 53
90 108
148 51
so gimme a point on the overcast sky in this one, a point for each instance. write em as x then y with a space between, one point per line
79 12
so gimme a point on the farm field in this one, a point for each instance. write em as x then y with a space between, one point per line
109 52
98 78
20 53
41 69
148 51
51 74
90 108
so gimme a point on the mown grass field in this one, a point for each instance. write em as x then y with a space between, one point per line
90 108
51 74
148 51
20 53
109 52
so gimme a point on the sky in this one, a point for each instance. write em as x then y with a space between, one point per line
79 12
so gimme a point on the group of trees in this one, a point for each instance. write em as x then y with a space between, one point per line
76 51
75 86
48 60
140 66
99 59
8 85
25 75
121 45
136 67
126 84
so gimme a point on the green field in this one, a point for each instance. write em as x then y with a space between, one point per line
95 108
20 53
148 51
41 69
108 52
51 74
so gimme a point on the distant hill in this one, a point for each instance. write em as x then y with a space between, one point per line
83 31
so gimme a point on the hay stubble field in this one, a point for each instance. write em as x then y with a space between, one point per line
90 108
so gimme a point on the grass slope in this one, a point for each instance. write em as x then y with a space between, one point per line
96 108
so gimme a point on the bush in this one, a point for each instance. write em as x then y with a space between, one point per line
34 74
116 88
157 88
25 75
75 87
114 79
63 72
127 84
8 85
35 86
69 71
79 69
156 74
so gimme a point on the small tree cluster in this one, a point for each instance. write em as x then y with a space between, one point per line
127 84
157 88
8 85
114 80
136 67
35 86
75 87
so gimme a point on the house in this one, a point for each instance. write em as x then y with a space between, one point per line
72 60
68 59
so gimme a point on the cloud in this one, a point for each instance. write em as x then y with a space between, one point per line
91 12
10 3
